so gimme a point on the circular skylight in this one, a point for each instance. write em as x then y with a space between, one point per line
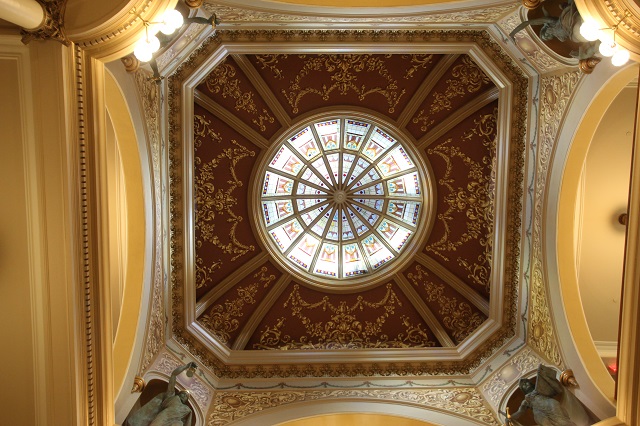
341 198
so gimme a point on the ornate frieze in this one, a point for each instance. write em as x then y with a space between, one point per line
466 402
555 93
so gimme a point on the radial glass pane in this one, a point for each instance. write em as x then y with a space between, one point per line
340 198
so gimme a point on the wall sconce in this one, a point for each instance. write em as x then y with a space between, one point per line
591 31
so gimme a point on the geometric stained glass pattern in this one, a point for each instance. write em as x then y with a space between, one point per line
341 198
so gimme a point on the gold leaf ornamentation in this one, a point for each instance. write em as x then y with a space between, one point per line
221 320
222 80
458 317
343 330
467 402
468 78
556 92
344 71
417 61
475 199
270 62
211 201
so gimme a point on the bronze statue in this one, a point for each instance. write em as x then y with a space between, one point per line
565 27
166 409
548 411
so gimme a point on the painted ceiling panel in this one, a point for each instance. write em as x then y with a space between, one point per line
463 160
458 316
222 165
462 82
228 86
226 318
304 318
383 83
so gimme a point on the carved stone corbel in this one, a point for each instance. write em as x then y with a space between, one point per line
193 4
588 65
131 63
531 4
138 384
567 378
52 27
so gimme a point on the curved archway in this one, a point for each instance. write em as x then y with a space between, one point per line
356 419
589 104
391 410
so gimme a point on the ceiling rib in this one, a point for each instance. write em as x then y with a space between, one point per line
456 283
222 113
425 88
221 288
425 312
265 92
454 119
257 315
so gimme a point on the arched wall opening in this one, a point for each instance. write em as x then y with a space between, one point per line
391 411
591 100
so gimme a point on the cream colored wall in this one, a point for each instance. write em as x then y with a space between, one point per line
606 188
15 276
38 284
356 420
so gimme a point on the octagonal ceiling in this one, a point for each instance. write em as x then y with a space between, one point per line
454 98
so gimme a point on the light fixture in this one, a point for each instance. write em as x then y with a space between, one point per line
150 44
591 31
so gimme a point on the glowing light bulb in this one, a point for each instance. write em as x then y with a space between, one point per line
142 51
154 43
620 58
607 49
172 19
590 30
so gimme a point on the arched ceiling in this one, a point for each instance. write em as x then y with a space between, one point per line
451 303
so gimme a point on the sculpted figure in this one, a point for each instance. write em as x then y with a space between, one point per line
564 27
547 411
166 409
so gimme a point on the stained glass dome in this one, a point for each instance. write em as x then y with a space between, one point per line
341 198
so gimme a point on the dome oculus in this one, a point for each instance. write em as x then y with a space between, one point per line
341 198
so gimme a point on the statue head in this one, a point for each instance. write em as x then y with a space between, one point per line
184 396
526 386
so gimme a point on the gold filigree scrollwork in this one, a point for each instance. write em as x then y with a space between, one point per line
556 93
344 70
457 316
211 201
343 330
475 199
221 320
417 62
270 62
222 80
467 78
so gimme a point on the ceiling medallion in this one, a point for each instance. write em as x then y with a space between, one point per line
341 199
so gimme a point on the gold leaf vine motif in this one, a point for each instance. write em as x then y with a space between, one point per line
343 330
468 78
221 320
344 70
475 200
457 317
221 80
210 201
